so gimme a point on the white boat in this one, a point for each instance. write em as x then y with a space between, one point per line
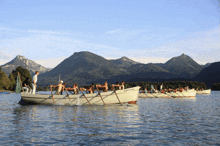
168 95
204 92
129 96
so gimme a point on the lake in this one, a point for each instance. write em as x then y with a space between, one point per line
152 121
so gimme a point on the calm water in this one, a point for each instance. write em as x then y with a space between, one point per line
192 121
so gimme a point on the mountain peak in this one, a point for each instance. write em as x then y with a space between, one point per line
20 57
124 58
183 55
25 63
183 64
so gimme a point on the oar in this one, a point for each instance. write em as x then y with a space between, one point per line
147 95
100 95
153 95
52 95
84 96
67 94
169 95
117 96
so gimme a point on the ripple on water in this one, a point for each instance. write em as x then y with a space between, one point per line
152 121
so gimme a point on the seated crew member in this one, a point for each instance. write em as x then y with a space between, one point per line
122 85
76 91
105 87
25 85
60 86
145 90
63 87
116 85
72 89
91 89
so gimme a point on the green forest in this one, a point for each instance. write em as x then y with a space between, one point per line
8 83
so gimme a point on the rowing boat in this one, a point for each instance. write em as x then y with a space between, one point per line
4 92
129 96
168 94
204 92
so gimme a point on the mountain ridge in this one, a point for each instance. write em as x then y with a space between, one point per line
19 60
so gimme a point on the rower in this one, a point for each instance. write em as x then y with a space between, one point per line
63 87
60 86
122 85
105 87
72 89
116 85
91 89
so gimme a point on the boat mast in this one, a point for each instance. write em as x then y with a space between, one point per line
59 79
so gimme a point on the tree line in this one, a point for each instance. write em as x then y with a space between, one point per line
8 83
216 86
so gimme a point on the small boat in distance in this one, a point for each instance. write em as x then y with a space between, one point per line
4 92
190 93
129 95
204 91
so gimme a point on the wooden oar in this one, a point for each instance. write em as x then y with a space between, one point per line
146 94
169 95
100 95
52 96
85 96
117 96
153 95
67 94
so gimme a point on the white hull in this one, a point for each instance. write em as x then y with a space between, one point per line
168 95
204 92
129 95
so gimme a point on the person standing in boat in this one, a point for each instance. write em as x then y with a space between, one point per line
60 87
161 87
34 81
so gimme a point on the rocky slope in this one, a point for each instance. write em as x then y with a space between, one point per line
183 65
209 75
124 62
25 63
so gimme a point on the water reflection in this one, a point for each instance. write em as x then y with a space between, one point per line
151 121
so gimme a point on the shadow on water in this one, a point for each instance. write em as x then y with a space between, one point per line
152 121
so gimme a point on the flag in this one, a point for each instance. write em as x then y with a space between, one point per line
152 87
18 86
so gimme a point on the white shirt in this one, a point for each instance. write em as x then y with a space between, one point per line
35 79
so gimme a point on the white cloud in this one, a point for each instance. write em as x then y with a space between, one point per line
113 31
201 46
4 56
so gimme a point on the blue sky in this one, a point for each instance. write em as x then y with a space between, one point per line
146 31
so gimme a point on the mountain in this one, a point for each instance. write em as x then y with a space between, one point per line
149 72
85 67
25 63
209 75
207 64
124 62
183 65
82 68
